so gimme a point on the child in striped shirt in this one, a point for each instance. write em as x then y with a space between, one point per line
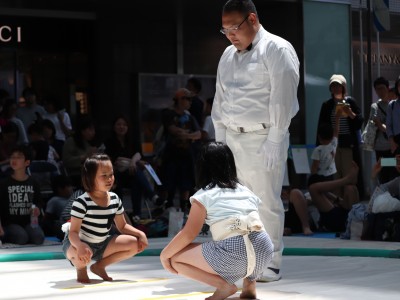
92 216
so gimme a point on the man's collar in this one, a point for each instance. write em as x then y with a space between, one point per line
255 40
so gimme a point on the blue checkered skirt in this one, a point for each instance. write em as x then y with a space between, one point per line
229 259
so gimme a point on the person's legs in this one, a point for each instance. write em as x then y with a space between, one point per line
15 234
191 263
81 266
319 190
266 185
351 196
299 202
169 180
144 183
119 248
36 235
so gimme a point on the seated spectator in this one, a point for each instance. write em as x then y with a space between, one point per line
56 113
334 210
9 115
8 141
62 188
323 166
40 146
18 193
128 165
296 215
31 111
49 133
78 147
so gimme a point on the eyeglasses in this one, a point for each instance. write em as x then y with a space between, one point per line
226 31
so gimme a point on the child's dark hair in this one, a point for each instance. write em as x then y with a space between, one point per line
89 170
60 182
216 167
325 131
24 149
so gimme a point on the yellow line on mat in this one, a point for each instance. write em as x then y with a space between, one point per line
177 296
110 283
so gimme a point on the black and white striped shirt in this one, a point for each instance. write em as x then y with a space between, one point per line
96 220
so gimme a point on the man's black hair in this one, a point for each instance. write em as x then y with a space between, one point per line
381 80
244 7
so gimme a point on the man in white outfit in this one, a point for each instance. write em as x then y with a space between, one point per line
255 100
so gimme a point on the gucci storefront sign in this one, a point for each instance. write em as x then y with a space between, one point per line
10 34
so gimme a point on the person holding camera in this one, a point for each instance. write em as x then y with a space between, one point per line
349 127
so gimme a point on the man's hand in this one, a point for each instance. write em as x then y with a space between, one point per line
272 154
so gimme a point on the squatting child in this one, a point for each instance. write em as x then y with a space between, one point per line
240 248
92 216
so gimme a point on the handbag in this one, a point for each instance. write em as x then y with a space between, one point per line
369 135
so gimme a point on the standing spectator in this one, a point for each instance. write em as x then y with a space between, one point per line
31 111
349 127
197 108
181 129
378 115
393 121
255 100
18 193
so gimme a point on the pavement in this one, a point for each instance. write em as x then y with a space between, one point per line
319 267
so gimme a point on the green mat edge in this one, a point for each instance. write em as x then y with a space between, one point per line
287 252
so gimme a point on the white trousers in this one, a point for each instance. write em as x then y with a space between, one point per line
267 185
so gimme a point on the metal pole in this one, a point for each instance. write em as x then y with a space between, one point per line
361 62
369 55
378 54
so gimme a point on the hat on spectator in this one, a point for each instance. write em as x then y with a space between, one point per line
339 79
183 92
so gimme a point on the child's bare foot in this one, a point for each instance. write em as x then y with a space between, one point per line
82 275
248 290
352 176
223 293
99 271
307 231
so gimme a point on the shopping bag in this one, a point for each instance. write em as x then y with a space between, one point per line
175 222
369 135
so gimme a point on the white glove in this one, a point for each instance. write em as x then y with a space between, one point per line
273 148
272 154
220 135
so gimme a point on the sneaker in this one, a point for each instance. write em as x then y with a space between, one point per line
270 275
